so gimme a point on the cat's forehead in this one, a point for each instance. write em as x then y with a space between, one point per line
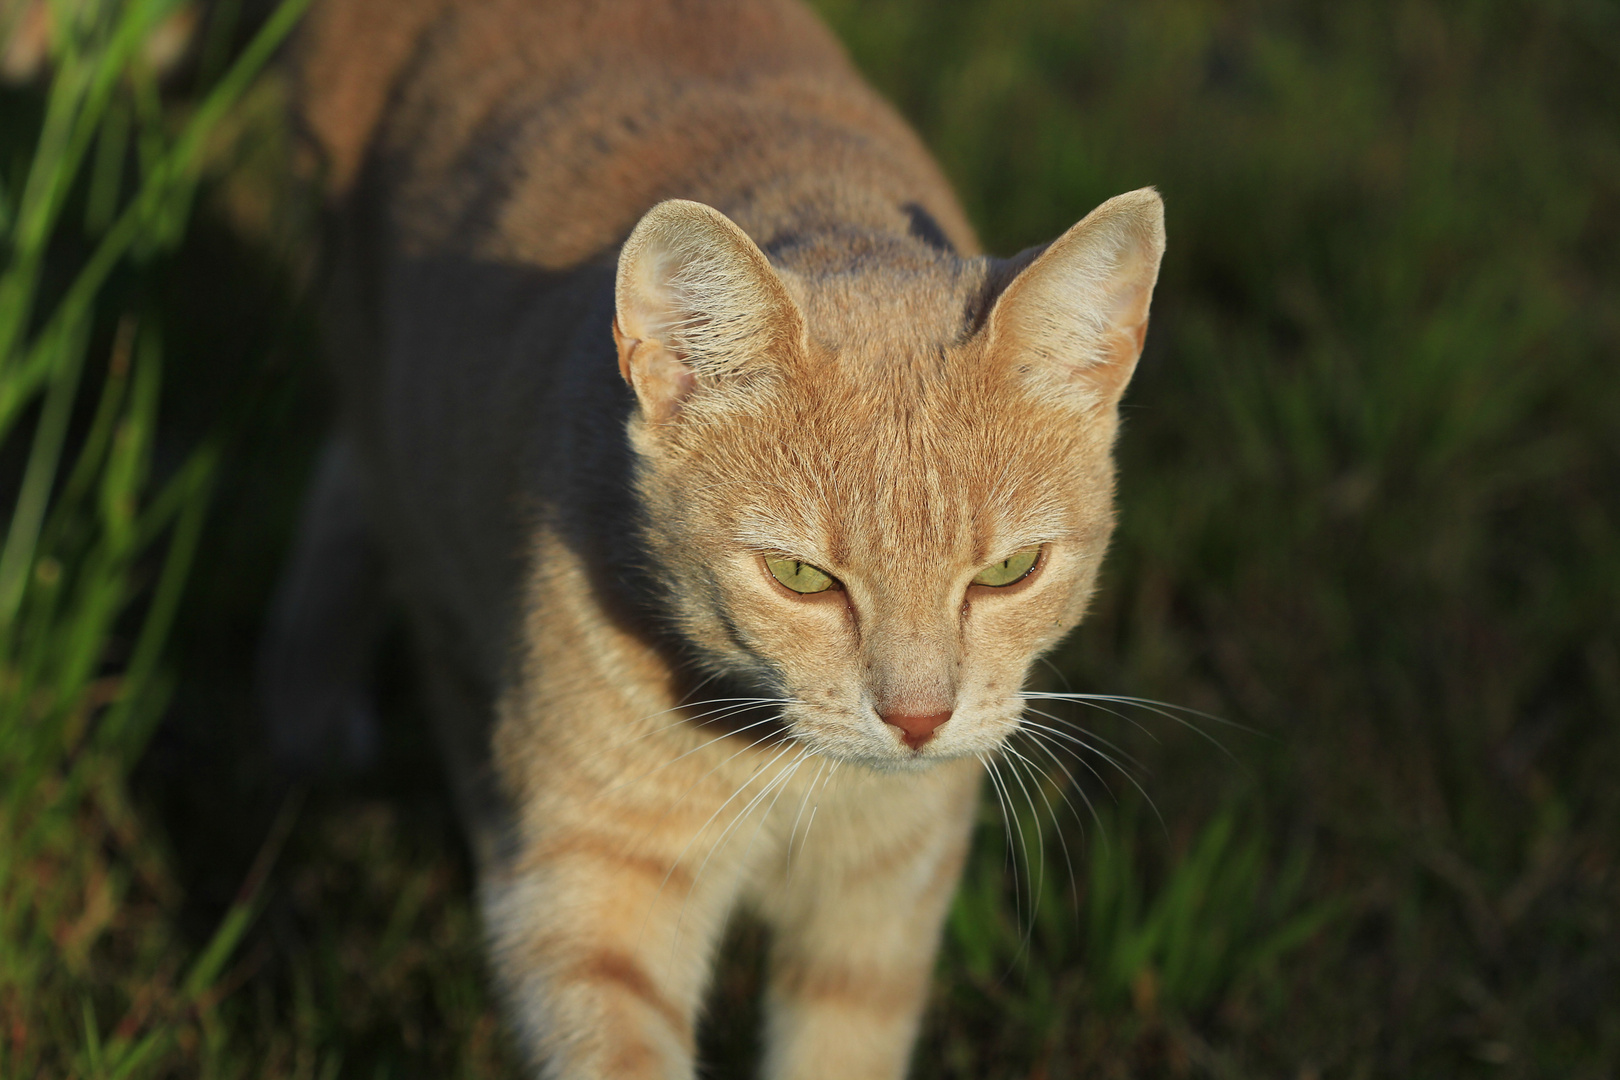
874 309
931 458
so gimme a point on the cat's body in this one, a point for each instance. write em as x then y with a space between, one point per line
585 544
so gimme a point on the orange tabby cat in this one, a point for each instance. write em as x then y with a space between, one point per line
731 495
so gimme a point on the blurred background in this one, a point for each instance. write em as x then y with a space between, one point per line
1369 536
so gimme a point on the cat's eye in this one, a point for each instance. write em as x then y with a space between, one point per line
1013 568
801 577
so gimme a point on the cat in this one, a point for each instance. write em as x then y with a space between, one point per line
729 491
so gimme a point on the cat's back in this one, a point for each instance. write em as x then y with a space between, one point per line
539 132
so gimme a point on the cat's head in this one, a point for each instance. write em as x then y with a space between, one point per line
880 483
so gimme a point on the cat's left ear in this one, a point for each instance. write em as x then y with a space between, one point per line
1073 318
697 303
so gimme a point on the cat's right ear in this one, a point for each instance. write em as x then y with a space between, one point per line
697 303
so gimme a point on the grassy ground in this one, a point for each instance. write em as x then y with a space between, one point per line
1368 513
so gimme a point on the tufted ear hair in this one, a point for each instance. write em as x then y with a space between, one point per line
1073 319
696 302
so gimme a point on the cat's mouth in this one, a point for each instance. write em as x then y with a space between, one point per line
905 741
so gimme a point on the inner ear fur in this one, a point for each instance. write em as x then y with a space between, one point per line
1071 317
696 302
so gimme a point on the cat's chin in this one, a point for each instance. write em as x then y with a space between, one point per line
910 762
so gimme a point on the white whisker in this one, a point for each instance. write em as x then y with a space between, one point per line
1036 776
726 832
694 720
815 804
1037 740
704 746
1032 727
1009 820
1076 730
726 710
787 778
793 834
1131 720
1036 872
700 831
1027 724
1162 708
1062 678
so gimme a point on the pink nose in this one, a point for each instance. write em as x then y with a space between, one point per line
916 730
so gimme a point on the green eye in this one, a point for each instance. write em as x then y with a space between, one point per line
1013 568
801 577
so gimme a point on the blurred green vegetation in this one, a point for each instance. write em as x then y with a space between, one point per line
1368 511
95 978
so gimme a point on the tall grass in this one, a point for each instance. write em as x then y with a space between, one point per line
94 980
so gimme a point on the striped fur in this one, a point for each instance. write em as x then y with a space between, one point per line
647 731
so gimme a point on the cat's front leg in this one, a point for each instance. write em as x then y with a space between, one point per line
603 953
856 929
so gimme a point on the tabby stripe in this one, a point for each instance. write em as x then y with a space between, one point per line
609 967
603 848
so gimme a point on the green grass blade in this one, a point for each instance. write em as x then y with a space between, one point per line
92 1036
217 952
17 558
194 484
107 173
138 1055
92 452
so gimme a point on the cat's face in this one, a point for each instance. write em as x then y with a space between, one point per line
880 499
